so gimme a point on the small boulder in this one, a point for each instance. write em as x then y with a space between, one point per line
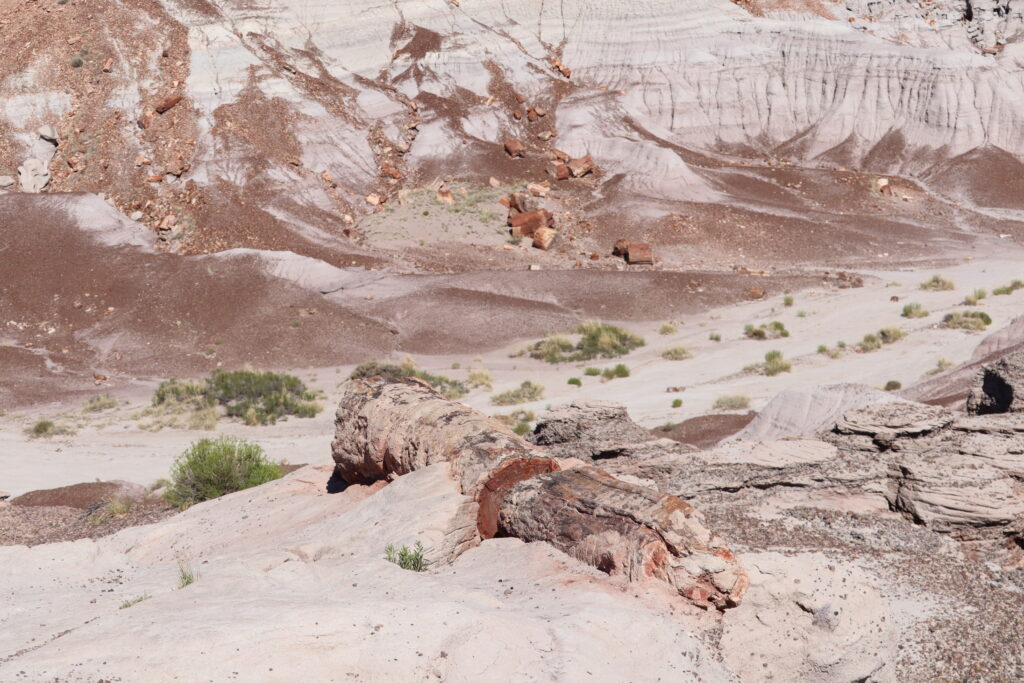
543 238
639 254
33 175
582 166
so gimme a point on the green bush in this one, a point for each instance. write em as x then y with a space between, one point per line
893 385
870 343
211 468
575 381
1009 289
48 428
787 301
597 340
619 370
449 388
527 391
891 335
732 402
592 372
677 403
406 558
260 397
667 328
715 337
772 330
775 364
967 320
974 297
937 283
676 353
914 311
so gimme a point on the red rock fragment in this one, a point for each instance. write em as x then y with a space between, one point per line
166 104
639 254
515 148
582 166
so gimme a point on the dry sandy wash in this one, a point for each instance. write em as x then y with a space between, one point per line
303 186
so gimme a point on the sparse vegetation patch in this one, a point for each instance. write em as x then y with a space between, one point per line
527 391
773 364
596 340
914 310
451 389
967 320
676 353
937 283
100 403
732 402
772 330
407 558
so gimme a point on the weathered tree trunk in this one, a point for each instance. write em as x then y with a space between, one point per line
625 529
389 427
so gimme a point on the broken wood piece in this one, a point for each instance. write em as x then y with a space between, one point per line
515 148
582 166
639 254
543 238
526 224
166 104
625 529
558 170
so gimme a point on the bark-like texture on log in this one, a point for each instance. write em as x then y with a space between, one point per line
625 529
387 427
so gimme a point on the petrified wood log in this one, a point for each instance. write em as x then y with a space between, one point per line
625 529
386 427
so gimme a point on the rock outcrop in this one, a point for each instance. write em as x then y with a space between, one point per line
596 430
999 387
388 427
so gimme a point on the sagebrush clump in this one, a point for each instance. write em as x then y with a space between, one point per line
937 283
676 353
527 391
596 340
967 320
732 402
914 310
211 468
773 364
772 330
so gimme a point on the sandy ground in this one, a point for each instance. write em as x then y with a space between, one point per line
110 445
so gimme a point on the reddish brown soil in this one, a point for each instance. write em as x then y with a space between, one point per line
704 431
33 525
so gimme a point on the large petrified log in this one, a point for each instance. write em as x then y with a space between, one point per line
626 529
387 427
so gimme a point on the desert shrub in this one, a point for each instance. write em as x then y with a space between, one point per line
203 418
527 391
732 402
967 320
187 574
677 403
118 506
597 340
772 330
100 403
1009 289
676 353
870 343
941 365
831 353
211 468
974 297
937 283
773 364
592 372
891 335
46 428
407 558
667 328
479 377
575 381
616 372
451 389
134 601
260 397
787 301
175 391
553 349
43 428
801 314
521 428
715 337
893 385
77 62
914 310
